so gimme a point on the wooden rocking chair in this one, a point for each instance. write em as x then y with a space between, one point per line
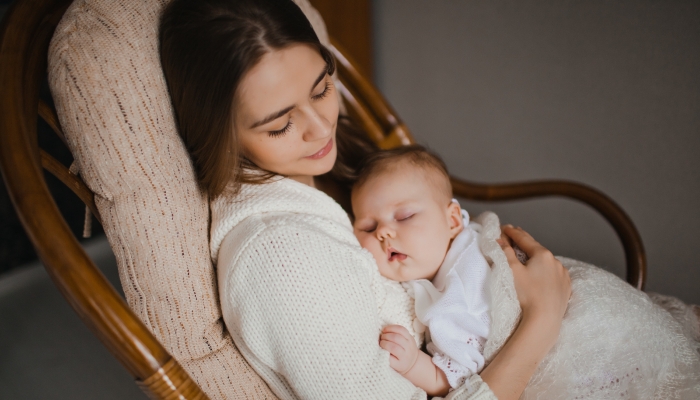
24 40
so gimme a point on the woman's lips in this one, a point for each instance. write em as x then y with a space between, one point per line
322 153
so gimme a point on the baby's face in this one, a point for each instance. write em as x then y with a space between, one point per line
403 220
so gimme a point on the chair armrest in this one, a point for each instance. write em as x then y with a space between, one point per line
613 213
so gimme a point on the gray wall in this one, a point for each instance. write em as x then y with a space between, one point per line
605 93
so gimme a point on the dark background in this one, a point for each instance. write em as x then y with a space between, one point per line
15 247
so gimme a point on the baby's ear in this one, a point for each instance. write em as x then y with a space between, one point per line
454 217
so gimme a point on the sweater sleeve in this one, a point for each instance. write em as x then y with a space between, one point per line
298 304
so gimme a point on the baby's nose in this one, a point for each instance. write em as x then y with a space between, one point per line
385 232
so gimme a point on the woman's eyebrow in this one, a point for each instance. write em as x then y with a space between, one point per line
271 117
280 113
320 77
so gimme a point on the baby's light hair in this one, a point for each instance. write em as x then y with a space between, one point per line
383 160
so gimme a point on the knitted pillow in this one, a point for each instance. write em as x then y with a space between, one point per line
113 105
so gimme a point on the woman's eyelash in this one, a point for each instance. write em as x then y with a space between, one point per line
286 129
282 131
324 93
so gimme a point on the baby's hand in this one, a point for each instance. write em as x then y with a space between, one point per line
400 344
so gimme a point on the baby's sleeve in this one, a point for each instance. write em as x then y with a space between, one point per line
455 351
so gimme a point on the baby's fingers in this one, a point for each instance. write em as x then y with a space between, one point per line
392 347
395 338
398 329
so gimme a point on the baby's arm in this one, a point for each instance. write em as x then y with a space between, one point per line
412 363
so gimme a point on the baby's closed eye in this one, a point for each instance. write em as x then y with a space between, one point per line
404 217
368 228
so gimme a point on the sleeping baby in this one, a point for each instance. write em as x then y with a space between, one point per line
614 341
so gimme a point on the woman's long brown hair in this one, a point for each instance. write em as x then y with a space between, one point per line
206 47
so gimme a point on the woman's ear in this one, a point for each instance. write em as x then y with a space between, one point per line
454 218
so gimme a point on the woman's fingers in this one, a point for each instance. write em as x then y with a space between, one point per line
510 253
544 286
504 236
523 239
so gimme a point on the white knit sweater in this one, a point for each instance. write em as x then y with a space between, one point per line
304 302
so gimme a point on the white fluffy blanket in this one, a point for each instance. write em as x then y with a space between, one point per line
615 342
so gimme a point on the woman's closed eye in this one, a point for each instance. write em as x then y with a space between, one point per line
324 92
281 132
288 127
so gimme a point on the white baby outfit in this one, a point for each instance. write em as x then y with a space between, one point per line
455 307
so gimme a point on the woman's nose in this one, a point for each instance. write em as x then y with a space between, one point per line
385 232
318 127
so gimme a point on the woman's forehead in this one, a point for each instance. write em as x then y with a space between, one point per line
281 79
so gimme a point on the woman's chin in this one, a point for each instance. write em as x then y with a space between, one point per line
311 167
325 165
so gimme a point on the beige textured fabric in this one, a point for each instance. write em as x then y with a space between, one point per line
112 102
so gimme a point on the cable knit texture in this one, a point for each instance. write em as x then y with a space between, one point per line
614 343
113 105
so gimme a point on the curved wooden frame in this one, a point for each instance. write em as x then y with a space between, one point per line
24 38
367 106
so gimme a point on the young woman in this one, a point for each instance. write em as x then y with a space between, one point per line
252 91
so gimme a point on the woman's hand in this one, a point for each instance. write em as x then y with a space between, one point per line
542 283
400 344
543 287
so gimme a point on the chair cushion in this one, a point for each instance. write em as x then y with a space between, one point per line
113 105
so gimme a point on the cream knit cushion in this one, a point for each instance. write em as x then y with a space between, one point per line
113 105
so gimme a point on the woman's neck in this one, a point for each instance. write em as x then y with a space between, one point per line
326 184
305 179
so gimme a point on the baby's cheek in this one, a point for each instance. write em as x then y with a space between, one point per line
434 251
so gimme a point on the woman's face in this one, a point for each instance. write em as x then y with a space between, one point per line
286 113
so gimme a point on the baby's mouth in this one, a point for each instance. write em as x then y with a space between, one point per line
395 255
